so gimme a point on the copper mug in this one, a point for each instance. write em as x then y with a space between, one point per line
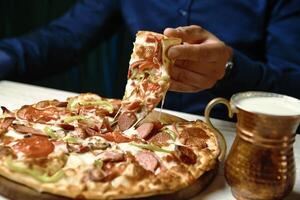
260 164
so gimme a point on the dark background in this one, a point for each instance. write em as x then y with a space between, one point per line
102 71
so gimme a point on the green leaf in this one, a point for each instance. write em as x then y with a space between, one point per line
21 168
151 147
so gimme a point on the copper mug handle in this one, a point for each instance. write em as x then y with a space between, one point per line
220 136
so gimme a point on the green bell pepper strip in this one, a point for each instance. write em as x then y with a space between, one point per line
34 173
70 139
172 134
104 104
151 147
74 118
50 133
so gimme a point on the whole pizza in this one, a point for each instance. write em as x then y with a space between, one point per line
98 148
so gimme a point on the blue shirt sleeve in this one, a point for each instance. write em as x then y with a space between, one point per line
280 70
7 65
61 43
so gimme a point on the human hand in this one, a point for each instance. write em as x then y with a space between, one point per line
199 62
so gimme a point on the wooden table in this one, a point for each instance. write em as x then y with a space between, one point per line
13 95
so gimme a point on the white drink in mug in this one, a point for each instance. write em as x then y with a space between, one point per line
260 164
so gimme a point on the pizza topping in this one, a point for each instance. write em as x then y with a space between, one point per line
103 104
151 147
171 133
161 139
77 148
194 137
7 139
96 175
133 106
147 160
44 178
75 118
145 129
67 127
71 139
98 163
115 136
36 146
111 156
126 120
51 133
5 151
7 112
36 115
93 100
106 173
186 155
5 123
96 143
27 130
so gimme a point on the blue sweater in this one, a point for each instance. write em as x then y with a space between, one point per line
265 35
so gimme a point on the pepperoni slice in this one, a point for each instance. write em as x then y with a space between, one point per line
34 147
194 137
35 115
160 139
186 155
27 130
145 129
126 120
147 160
115 137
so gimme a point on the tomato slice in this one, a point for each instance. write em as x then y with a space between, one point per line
36 146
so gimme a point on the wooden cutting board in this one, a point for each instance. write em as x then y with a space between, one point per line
16 191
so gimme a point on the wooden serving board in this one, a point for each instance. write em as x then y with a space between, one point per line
16 191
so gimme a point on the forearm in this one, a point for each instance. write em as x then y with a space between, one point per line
62 42
7 67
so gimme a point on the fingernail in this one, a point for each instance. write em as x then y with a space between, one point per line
173 53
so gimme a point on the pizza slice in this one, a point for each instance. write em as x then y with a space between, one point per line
148 77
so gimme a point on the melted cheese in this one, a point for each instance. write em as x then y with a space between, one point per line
14 134
76 160
129 148
120 180
131 131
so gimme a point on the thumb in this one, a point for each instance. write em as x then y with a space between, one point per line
191 34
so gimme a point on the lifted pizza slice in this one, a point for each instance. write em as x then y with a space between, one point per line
148 77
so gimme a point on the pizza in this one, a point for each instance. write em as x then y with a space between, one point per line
75 148
148 77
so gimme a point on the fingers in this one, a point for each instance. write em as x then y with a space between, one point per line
212 69
187 81
191 34
181 87
210 52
